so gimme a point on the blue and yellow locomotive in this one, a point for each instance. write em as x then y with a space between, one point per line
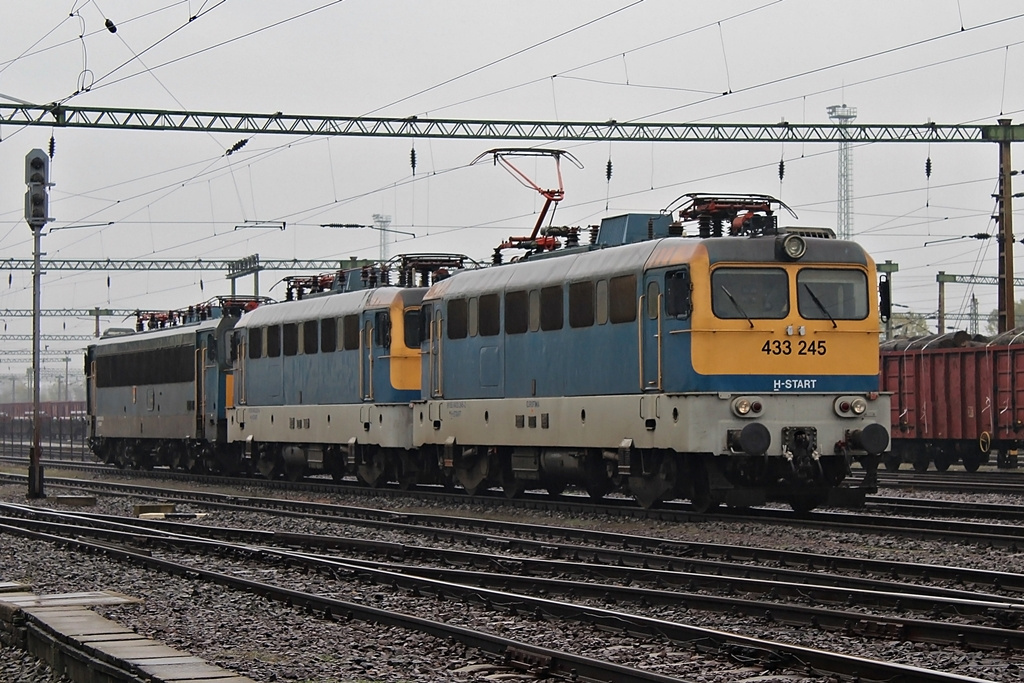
722 369
736 365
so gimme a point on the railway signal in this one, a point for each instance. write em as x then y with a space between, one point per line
37 198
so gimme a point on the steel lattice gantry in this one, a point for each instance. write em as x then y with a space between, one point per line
229 265
414 127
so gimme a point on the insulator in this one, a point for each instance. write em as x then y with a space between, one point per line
53 146
704 225
782 169
412 160
608 171
928 167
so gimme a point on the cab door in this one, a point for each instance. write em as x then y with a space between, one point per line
649 319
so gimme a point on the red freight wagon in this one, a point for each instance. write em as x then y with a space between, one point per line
954 398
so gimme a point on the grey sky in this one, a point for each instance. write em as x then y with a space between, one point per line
175 195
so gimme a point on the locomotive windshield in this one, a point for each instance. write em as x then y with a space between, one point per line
747 293
826 294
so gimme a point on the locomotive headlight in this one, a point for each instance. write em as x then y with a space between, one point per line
792 247
850 406
747 406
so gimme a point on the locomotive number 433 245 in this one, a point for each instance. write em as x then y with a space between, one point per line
802 347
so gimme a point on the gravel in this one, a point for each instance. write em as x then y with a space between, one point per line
271 642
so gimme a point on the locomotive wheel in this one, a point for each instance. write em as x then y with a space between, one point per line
892 464
650 489
513 488
598 490
372 471
805 501
555 489
472 472
267 465
921 465
408 471
701 499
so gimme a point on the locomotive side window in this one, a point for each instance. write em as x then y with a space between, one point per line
291 339
622 299
474 316
517 312
273 341
426 322
382 329
551 308
581 304
826 294
310 336
351 332
255 342
677 294
413 333
490 315
329 335
747 293
457 319
534 310
653 294
601 301
157 366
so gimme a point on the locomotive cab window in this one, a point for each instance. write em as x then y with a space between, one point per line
677 294
426 322
748 293
412 334
382 330
832 294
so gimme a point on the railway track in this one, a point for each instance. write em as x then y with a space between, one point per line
896 515
524 586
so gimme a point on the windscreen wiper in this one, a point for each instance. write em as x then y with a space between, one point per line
820 305
737 305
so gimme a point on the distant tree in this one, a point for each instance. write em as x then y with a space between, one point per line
992 322
909 324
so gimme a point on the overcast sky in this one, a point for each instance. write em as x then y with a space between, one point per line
172 195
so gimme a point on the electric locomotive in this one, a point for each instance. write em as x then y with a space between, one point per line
156 395
324 383
736 366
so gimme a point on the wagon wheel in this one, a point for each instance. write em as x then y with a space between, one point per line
973 462
892 463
